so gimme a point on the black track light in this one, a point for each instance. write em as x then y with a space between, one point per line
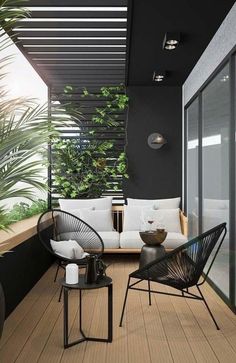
171 40
158 76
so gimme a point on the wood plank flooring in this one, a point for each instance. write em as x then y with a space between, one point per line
171 330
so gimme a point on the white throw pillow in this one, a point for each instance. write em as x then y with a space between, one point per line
170 203
98 203
168 218
100 220
132 217
68 249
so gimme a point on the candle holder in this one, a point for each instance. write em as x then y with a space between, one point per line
72 274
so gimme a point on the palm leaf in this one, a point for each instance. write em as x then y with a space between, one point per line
25 127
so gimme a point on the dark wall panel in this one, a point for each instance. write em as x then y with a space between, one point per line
21 269
154 173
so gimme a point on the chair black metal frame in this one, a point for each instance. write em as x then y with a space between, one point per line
60 225
181 268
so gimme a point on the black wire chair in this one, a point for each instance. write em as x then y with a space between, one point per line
62 226
181 268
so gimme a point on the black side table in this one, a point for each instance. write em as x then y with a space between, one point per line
150 253
104 282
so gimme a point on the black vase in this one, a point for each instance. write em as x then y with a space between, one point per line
2 309
91 270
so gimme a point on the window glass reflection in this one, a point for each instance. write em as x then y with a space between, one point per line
192 168
215 158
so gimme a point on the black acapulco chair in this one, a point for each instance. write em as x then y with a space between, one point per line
62 226
181 268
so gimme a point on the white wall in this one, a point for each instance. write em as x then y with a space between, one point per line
22 80
219 47
221 44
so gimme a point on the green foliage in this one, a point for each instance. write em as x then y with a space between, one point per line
85 168
22 211
3 220
122 165
24 129
82 171
10 13
116 100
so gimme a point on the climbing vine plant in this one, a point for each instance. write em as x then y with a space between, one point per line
85 166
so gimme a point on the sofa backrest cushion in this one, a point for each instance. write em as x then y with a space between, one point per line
167 218
136 219
133 217
100 220
97 203
170 203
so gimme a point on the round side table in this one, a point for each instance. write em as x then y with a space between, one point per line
103 282
150 253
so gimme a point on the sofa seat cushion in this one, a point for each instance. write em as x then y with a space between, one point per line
132 239
111 239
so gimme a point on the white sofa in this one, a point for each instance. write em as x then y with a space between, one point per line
111 239
119 229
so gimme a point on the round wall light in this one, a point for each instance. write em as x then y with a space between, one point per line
156 141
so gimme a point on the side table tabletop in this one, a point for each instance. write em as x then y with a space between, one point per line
103 282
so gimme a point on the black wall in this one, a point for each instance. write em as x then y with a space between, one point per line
21 268
154 173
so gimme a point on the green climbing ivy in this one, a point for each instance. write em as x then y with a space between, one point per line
85 168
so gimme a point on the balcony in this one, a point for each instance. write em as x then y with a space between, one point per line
129 104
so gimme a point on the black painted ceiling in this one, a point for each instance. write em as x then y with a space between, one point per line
197 21
81 43
75 48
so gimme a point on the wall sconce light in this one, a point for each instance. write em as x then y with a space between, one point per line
171 40
158 76
156 141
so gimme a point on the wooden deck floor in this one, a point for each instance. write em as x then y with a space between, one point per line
171 330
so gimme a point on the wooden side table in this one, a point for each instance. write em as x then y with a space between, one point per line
104 282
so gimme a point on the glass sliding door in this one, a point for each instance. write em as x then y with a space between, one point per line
192 168
215 167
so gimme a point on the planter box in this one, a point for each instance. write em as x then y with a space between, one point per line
24 264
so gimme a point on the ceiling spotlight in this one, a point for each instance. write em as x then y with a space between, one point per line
225 78
170 47
158 76
171 41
